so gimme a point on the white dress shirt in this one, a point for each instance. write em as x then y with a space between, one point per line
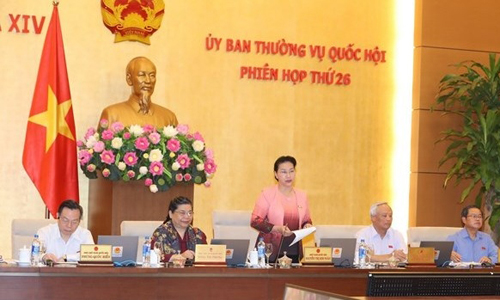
393 240
55 244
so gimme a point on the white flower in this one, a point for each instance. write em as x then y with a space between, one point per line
143 170
175 166
155 155
122 166
136 130
200 167
91 142
117 143
153 188
170 131
198 145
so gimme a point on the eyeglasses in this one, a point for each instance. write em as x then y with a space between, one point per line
475 216
185 213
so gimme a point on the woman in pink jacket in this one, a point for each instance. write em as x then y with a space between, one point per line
282 209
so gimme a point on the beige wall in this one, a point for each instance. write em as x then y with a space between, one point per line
447 32
342 136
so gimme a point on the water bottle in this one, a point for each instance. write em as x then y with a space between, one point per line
362 253
261 251
35 251
146 252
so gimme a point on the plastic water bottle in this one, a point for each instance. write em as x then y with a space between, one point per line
146 252
261 251
362 253
35 251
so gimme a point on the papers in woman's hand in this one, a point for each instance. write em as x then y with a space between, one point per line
302 233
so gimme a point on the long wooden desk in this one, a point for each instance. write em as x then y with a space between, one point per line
189 283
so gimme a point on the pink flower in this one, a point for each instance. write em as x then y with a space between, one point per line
104 123
130 174
90 132
156 168
210 166
183 160
107 135
99 147
126 135
107 157
148 128
209 153
142 143
207 183
148 182
154 137
117 127
183 128
173 145
91 168
187 177
178 177
79 144
84 157
130 159
198 136
106 172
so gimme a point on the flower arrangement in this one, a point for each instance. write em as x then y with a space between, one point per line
161 157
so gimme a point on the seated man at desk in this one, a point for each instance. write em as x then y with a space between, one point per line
472 245
139 109
63 239
384 240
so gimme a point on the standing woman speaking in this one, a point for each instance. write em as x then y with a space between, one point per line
282 209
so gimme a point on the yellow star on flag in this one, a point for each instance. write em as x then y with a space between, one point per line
54 119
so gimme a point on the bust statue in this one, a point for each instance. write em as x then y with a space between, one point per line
138 109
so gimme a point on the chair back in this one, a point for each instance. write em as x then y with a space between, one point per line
140 229
336 231
234 224
421 233
22 233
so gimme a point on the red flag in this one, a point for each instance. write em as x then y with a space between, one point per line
49 155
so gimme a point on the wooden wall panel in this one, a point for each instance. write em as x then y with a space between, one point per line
431 204
431 64
459 24
447 32
427 128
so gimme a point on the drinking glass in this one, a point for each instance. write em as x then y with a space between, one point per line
157 247
43 248
269 251
369 252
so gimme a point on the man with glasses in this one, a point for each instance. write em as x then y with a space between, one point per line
63 239
472 245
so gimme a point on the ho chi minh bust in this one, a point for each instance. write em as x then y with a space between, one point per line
138 109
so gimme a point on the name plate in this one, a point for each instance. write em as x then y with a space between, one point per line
317 255
212 254
421 255
95 253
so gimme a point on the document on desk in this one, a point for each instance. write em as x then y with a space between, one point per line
302 233
465 264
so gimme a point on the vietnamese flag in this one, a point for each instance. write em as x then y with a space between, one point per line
49 155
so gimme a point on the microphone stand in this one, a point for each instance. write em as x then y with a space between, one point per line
279 249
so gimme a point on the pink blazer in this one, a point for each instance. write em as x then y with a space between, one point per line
267 208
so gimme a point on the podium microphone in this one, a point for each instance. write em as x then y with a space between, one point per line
279 249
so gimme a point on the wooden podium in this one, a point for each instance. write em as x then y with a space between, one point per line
111 202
